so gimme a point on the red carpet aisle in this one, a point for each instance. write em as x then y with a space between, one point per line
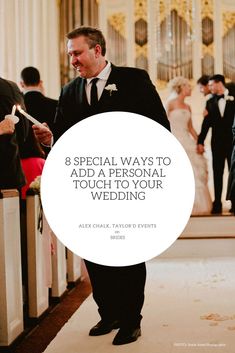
189 308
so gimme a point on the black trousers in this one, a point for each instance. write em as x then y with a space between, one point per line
218 163
118 292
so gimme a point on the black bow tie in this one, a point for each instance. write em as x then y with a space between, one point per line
219 96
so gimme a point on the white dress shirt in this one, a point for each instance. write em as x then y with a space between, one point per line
103 77
222 103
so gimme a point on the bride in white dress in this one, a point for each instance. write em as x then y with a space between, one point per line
179 114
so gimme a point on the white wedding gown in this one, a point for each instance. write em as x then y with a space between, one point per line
179 119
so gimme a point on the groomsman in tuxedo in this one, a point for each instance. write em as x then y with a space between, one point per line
118 291
219 115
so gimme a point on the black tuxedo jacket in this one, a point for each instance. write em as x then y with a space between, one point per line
221 126
11 175
135 93
231 179
40 107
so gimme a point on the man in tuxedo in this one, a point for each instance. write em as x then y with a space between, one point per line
37 104
118 291
203 84
219 115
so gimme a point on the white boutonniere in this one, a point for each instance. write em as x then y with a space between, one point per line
111 87
229 98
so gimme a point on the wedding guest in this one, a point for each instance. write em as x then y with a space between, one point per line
37 104
118 291
32 160
219 115
11 137
7 127
180 117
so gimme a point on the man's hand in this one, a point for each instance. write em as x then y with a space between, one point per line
43 133
7 127
200 149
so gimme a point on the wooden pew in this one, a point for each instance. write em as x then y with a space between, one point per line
38 254
11 301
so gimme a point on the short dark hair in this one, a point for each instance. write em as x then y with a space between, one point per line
218 78
93 35
203 80
31 76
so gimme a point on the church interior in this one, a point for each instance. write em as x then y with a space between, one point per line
46 302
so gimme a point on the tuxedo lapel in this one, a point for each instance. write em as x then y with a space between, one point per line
215 107
81 93
113 76
81 98
228 110
108 97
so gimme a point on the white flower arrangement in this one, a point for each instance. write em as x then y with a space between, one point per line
229 98
111 87
35 185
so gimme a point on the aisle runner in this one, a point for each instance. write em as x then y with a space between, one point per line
189 308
